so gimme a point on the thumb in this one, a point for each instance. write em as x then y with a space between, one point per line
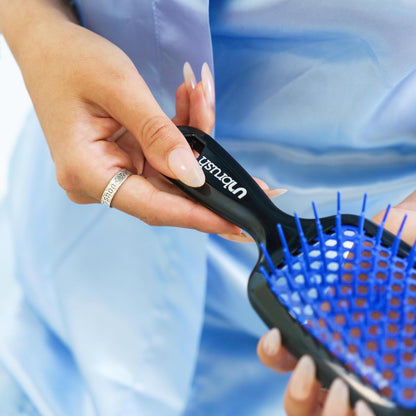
163 145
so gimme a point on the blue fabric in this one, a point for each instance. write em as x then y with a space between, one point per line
311 96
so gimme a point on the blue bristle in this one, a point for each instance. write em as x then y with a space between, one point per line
338 224
397 239
267 275
359 242
394 250
320 236
303 242
268 258
381 227
361 228
411 258
286 251
362 216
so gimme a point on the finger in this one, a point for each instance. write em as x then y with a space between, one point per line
182 106
132 104
189 77
274 193
337 400
272 353
302 393
362 409
138 197
182 96
208 84
271 193
260 182
89 170
201 112
131 147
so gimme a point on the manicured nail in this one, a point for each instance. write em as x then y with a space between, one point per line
189 77
361 409
337 400
302 379
186 168
239 238
208 84
272 342
273 193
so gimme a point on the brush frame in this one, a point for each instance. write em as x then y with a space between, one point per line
256 214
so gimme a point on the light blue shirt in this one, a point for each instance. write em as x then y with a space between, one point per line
120 318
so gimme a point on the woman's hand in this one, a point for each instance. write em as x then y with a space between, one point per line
304 395
85 91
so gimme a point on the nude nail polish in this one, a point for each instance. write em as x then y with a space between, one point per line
274 193
337 400
272 342
189 77
208 84
302 379
239 238
361 409
186 168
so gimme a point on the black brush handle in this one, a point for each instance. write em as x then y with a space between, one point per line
231 192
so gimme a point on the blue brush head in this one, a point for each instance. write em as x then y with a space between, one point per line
357 297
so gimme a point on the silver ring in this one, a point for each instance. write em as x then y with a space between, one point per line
116 181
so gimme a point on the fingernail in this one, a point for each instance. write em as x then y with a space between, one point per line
337 400
189 77
239 238
302 378
273 193
117 134
208 84
272 342
186 168
361 409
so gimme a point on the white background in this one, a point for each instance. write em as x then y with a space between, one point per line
14 106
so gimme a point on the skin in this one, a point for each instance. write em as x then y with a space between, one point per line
83 94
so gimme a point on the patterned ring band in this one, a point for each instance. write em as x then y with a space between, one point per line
113 186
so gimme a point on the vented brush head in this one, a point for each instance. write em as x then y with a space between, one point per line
354 291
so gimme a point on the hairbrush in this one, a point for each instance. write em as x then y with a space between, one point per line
340 289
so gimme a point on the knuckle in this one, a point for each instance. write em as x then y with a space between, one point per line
68 180
150 219
72 197
151 222
75 198
155 130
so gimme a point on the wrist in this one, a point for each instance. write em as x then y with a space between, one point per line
22 21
